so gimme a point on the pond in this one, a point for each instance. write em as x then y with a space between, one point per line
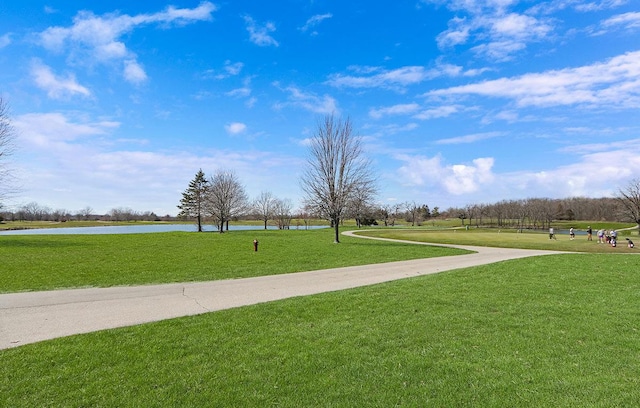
136 229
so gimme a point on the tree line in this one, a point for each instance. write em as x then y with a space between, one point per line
36 212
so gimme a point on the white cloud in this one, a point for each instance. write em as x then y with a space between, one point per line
308 101
314 21
586 6
401 109
133 72
53 131
611 83
400 77
594 174
98 37
498 33
235 128
627 21
233 68
456 179
595 171
260 34
476 137
439 112
5 40
397 79
56 87
239 92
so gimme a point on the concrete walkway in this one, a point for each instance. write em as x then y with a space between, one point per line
35 316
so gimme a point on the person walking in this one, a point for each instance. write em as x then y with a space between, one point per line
589 233
551 234
572 234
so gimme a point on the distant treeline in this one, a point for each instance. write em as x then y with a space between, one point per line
524 213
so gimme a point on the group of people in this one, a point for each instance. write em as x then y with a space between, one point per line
604 236
607 237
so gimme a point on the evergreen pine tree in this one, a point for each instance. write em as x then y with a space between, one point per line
192 204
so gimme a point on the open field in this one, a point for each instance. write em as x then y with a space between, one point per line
553 331
507 239
44 262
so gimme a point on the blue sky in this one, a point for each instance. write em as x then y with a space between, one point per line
119 104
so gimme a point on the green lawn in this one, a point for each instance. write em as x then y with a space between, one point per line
554 331
509 239
551 331
41 262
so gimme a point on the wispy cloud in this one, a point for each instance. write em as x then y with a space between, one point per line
400 77
438 112
397 79
260 34
244 92
308 101
610 83
315 21
133 72
56 87
498 32
400 109
51 131
235 128
626 21
476 137
5 40
99 37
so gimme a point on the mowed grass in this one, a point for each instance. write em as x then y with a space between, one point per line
508 239
44 262
551 331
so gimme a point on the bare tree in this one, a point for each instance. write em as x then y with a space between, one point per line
629 199
34 212
413 209
7 137
336 167
123 214
264 206
282 212
192 204
226 198
85 213
361 202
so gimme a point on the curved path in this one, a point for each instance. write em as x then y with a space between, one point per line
35 316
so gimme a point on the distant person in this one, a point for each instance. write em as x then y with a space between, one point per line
572 234
551 234
589 233
613 240
600 236
629 243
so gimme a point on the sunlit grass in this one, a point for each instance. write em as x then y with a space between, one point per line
553 331
507 239
39 262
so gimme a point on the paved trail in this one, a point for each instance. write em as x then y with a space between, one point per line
35 316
